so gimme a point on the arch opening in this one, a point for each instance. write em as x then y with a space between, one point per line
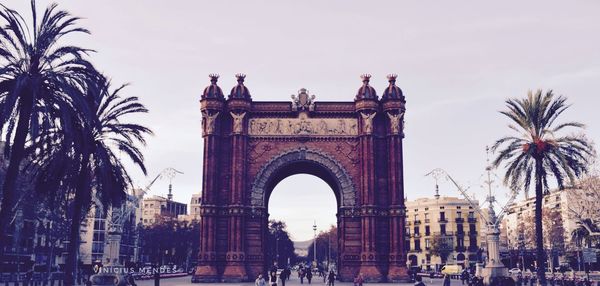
303 161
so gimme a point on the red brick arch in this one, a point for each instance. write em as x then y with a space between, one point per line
250 146
303 160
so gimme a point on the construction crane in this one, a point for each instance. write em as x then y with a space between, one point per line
119 215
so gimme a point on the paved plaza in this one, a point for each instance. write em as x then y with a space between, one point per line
294 281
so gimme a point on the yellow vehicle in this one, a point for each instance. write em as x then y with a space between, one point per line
451 269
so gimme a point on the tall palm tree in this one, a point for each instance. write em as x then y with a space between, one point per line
104 140
537 151
88 163
39 77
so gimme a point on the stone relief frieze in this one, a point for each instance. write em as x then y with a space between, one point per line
303 126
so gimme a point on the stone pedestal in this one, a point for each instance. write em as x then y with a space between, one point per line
398 274
205 274
494 267
370 273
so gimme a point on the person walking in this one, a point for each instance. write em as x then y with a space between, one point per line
446 280
260 281
301 275
273 278
309 275
283 276
331 278
419 281
358 281
464 276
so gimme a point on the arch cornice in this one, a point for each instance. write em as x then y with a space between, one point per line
345 186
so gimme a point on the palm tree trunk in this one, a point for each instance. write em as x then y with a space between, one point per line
74 236
73 247
539 236
16 156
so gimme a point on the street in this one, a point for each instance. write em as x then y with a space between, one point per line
294 281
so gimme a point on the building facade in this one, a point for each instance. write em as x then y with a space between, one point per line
562 209
100 224
156 207
446 225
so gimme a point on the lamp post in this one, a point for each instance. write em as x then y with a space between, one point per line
328 248
494 266
315 244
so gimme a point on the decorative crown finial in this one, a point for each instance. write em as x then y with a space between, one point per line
214 77
240 77
366 77
392 77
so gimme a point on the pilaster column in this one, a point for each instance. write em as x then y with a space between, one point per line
394 110
207 257
235 267
367 110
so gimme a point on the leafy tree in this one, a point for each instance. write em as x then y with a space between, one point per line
441 246
279 244
537 151
554 233
39 80
170 241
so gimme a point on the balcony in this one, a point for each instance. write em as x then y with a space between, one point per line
473 248
459 220
417 222
447 233
460 249
472 220
472 233
426 220
460 233
416 235
443 220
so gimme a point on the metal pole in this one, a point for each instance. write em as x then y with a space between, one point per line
328 249
315 243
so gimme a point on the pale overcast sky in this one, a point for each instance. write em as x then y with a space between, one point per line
457 62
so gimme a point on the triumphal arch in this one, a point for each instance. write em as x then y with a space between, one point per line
250 146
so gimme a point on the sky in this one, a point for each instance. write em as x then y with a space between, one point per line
457 62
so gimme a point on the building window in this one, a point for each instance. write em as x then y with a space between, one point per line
426 230
471 214
458 207
442 216
458 214
417 244
459 228
427 244
416 230
443 228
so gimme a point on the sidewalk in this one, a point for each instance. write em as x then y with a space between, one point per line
294 281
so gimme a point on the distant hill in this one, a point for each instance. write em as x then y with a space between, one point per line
301 247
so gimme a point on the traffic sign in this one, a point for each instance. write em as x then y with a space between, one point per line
589 255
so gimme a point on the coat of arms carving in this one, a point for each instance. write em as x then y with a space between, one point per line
303 102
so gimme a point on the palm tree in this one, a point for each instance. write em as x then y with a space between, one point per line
39 78
537 151
88 163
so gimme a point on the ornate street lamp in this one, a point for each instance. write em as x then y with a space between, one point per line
494 266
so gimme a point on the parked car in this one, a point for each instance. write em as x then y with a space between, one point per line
451 269
514 271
